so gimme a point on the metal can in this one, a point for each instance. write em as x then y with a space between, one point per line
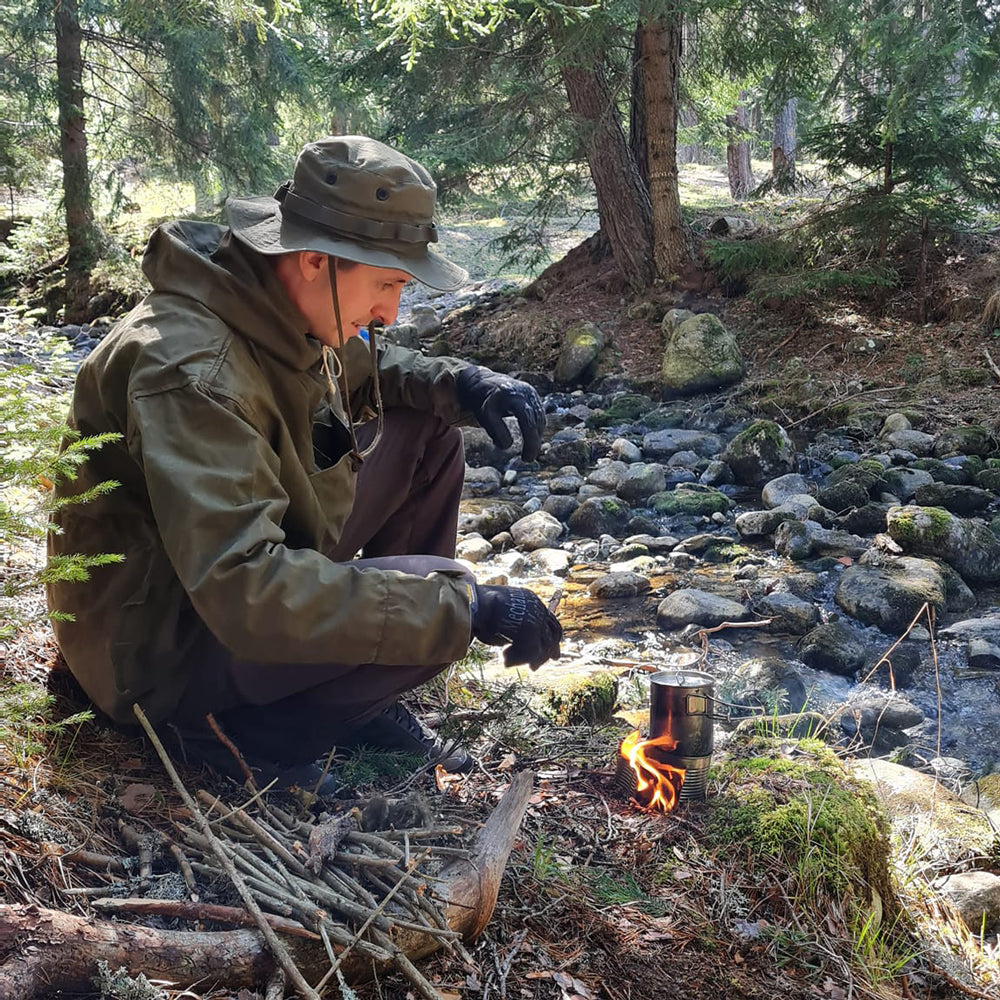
681 708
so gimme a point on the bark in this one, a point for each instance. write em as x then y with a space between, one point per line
738 151
689 152
783 146
46 951
77 201
637 112
661 61
622 201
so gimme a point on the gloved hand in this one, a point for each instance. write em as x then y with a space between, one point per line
502 615
491 397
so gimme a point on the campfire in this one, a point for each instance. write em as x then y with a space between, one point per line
656 784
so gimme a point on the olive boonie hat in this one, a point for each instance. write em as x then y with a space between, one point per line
355 198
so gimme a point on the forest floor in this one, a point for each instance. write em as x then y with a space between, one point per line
599 900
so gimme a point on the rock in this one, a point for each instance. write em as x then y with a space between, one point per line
968 546
968 440
536 531
625 450
640 481
833 647
942 472
696 607
475 549
957 499
983 654
492 520
481 482
897 668
757 523
615 585
405 335
567 447
608 475
660 445
842 496
878 720
583 702
579 352
566 482
623 409
910 440
699 354
480 449
761 452
895 422
768 683
987 628
945 834
673 319
869 519
891 593
801 540
690 498
789 614
904 482
560 507
716 473
599 516
426 319
975 897
777 491
553 561
867 475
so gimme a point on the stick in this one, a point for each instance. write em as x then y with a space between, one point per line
991 362
232 748
279 951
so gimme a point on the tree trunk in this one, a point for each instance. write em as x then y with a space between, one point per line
45 951
688 152
783 146
661 63
738 151
637 112
622 200
77 201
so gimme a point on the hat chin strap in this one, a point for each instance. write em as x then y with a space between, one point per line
357 456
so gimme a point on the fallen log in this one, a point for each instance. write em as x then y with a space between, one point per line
43 951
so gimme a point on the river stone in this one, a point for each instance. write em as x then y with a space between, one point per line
969 546
945 833
904 482
536 531
983 655
652 543
614 585
598 516
891 593
567 447
833 647
842 496
482 482
716 473
943 472
761 452
800 540
690 498
566 481
957 499
474 549
660 445
756 523
640 481
696 607
579 352
673 319
625 450
910 440
788 613
878 720
987 627
895 422
426 319
768 683
560 507
869 519
777 491
896 669
975 897
869 474
699 354
554 561
968 440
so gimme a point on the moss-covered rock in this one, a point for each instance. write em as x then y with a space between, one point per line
700 354
581 348
704 502
760 453
588 701
623 410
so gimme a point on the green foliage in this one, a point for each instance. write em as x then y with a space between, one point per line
31 463
26 724
368 766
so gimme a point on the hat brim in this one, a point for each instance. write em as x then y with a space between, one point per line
259 223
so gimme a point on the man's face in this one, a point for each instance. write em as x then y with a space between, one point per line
366 294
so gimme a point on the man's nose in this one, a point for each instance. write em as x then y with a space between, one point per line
386 310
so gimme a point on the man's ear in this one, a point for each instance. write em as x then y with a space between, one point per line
312 265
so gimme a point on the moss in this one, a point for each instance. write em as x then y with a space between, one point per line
965 376
680 501
727 552
658 420
613 507
935 527
589 701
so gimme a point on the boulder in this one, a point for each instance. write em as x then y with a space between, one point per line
567 447
640 481
767 683
690 498
660 445
761 452
777 491
536 531
801 540
833 647
617 585
957 499
579 353
890 593
971 439
975 897
598 516
625 450
967 545
903 482
788 613
700 354
697 607
481 482
608 475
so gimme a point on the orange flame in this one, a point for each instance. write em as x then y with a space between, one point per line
657 784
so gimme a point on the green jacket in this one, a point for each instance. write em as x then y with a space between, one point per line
222 514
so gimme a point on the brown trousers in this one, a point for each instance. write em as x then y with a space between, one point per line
405 517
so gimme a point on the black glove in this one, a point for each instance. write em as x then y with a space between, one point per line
502 615
491 397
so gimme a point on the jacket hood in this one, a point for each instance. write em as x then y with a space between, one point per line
204 262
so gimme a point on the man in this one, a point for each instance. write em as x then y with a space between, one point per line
263 447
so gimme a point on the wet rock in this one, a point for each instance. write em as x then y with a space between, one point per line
699 354
967 440
768 683
426 319
904 482
761 452
968 546
942 472
690 498
608 475
625 450
833 647
640 481
474 549
800 540
552 561
890 593
696 607
758 523
983 654
482 482
716 473
987 627
536 531
566 481
842 496
598 516
567 447
897 669
957 499
652 543
491 520
617 585
777 491
629 550
869 519
560 507
660 445
579 353
789 614
878 721
916 441
976 898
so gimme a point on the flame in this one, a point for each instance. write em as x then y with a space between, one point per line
657 784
